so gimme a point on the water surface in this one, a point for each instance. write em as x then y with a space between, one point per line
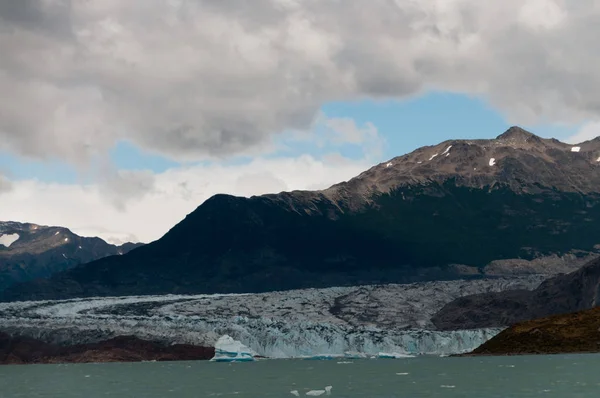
528 376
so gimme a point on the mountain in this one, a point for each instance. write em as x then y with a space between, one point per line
29 251
440 212
558 334
579 290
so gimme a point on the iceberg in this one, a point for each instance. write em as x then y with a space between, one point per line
229 350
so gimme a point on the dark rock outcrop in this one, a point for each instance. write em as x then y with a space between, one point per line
414 218
31 251
567 333
25 350
579 290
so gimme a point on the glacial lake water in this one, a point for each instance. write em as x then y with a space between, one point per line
526 376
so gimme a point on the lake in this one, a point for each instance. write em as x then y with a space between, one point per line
525 376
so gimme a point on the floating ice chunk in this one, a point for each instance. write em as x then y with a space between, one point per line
389 164
447 149
64 255
295 392
492 161
393 355
447 386
317 393
79 247
432 156
402 374
229 350
575 149
9 239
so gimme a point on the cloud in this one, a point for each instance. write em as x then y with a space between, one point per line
197 79
588 131
345 131
123 186
5 184
156 202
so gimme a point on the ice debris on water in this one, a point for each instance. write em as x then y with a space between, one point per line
394 355
318 393
229 350
295 392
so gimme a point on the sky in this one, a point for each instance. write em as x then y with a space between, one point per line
118 118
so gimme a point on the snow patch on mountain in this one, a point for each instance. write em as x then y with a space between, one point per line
8 239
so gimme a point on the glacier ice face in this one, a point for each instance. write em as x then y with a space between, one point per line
343 321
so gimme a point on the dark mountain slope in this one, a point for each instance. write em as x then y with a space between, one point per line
460 202
29 251
562 294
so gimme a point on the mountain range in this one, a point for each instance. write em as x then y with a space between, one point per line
463 208
30 251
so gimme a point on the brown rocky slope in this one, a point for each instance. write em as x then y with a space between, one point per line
25 350
567 333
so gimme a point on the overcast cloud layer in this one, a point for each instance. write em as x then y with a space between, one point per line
195 79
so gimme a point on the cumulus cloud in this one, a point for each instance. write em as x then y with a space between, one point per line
153 208
196 78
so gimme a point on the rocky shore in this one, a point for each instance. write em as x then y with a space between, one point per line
24 350
577 332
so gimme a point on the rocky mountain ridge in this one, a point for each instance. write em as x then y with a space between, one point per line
440 212
29 251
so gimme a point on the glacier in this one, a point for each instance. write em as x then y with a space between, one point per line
349 322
